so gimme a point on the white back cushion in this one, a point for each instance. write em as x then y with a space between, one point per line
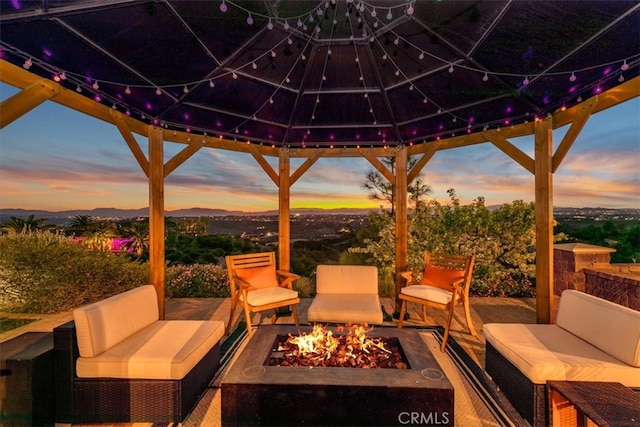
612 328
102 325
347 279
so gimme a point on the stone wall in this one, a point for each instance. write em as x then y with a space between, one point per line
588 268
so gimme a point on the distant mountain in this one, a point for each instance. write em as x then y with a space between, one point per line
180 213
198 212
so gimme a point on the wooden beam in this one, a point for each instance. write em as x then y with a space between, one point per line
305 166
544 221
577 125
156 214
401 212
22 102
182 156
125 131
379 165
497 139
265 165
284 212
422 161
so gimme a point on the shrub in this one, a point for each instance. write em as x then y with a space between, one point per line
197 280
41 272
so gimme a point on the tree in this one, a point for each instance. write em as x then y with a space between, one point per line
29 224
101 235
503 241
81 224
380 188
138 232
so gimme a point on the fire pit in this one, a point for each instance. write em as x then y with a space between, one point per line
261 390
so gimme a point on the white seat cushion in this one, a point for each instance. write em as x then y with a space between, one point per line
163 350
611 327
428 292
269 295
548 352
346 308
346 279
101 325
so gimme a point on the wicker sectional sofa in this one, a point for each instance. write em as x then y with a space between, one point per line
346 294
592 340
117 362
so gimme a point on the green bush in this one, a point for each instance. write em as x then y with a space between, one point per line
41 272
197 280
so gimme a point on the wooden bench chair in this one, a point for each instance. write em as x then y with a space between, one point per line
258 286
443 284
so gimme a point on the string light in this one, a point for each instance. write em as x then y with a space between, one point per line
223 7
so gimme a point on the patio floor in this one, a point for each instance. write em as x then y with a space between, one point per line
483 310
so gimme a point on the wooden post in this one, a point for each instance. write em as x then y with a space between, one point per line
401 201
544 220
284 200
156 214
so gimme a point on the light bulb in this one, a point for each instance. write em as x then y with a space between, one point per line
127 90
95 85
27 64
451 68
270 25
572 77
185 89
250 19
158 92
389 15
410 9
374 13
624 66
485 77
211 83
254 65
396 41
223 7
526 80
63 76
299 23
78 89
234 75
421 56
286 25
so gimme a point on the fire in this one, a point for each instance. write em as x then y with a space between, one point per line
354 348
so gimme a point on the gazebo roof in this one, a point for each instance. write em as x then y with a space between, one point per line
336 72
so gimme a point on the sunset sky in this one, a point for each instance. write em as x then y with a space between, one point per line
55 158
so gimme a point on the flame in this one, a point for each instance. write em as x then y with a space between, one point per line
322 344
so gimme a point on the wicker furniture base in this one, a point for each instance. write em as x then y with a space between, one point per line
100 400
527 398
588 403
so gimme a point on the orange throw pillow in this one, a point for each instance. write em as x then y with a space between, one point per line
440 277
259 277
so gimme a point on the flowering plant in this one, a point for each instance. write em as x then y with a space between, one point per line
196 280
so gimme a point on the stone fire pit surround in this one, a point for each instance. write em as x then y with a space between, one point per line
254 393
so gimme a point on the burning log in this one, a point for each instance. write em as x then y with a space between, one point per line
353 349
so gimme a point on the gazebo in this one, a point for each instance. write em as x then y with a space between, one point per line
333 78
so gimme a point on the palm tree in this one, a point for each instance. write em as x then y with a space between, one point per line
101 236
27 225
138 232
80 224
